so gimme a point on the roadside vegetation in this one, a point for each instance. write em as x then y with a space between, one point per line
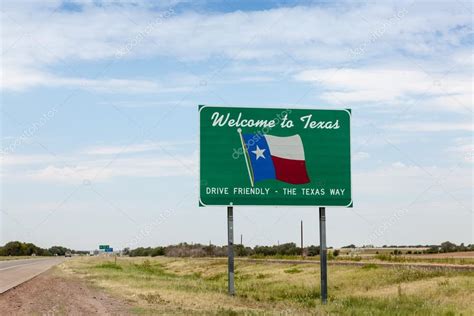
18 248
402 254
199 285
291 250
281 251
446 253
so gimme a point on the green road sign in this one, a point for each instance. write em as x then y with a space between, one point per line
271 156
104 247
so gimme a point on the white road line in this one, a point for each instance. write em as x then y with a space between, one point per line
23 264
18 265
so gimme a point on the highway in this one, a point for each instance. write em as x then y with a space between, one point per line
15 272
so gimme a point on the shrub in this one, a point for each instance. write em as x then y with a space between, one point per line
313 251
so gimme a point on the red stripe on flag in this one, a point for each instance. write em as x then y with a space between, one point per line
290 171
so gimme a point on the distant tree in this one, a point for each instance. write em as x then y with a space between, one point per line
432 249
17 248
448 247
350 246
58 250
13 248
242 251
313 251
158 251
288 249
138 252
265 250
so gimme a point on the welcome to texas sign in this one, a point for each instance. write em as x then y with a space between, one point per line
271 156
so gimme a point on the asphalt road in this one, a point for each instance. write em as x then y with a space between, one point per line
15 272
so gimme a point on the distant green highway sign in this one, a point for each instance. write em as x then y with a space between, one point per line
272 156
104 247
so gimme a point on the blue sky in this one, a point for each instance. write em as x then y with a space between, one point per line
99 116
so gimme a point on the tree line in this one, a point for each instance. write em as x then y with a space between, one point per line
18 248
200 250
287 249
448 246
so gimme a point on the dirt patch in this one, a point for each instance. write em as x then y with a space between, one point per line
53 294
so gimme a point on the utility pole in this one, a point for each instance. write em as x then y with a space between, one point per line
241 238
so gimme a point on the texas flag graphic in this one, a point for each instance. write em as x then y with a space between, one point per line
274 157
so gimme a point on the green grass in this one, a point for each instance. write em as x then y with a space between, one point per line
109 265
199 286
370 266
293 270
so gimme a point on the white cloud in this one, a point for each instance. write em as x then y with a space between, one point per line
398 164
146 104
101 170
135 148
108 85
361 155
386 85
403 183
23 78
313 35
432 126
463 149
19 160
102 163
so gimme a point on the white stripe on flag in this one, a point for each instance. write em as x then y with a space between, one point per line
290 147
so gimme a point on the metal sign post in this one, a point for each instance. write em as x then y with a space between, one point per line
323 255
230 249
302 249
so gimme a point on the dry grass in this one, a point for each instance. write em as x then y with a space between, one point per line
462 258
198 286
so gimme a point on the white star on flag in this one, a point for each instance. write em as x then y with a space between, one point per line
259 153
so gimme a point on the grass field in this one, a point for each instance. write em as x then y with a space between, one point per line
407 256
198 286
468 260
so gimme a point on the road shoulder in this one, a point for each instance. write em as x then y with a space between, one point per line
55 293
